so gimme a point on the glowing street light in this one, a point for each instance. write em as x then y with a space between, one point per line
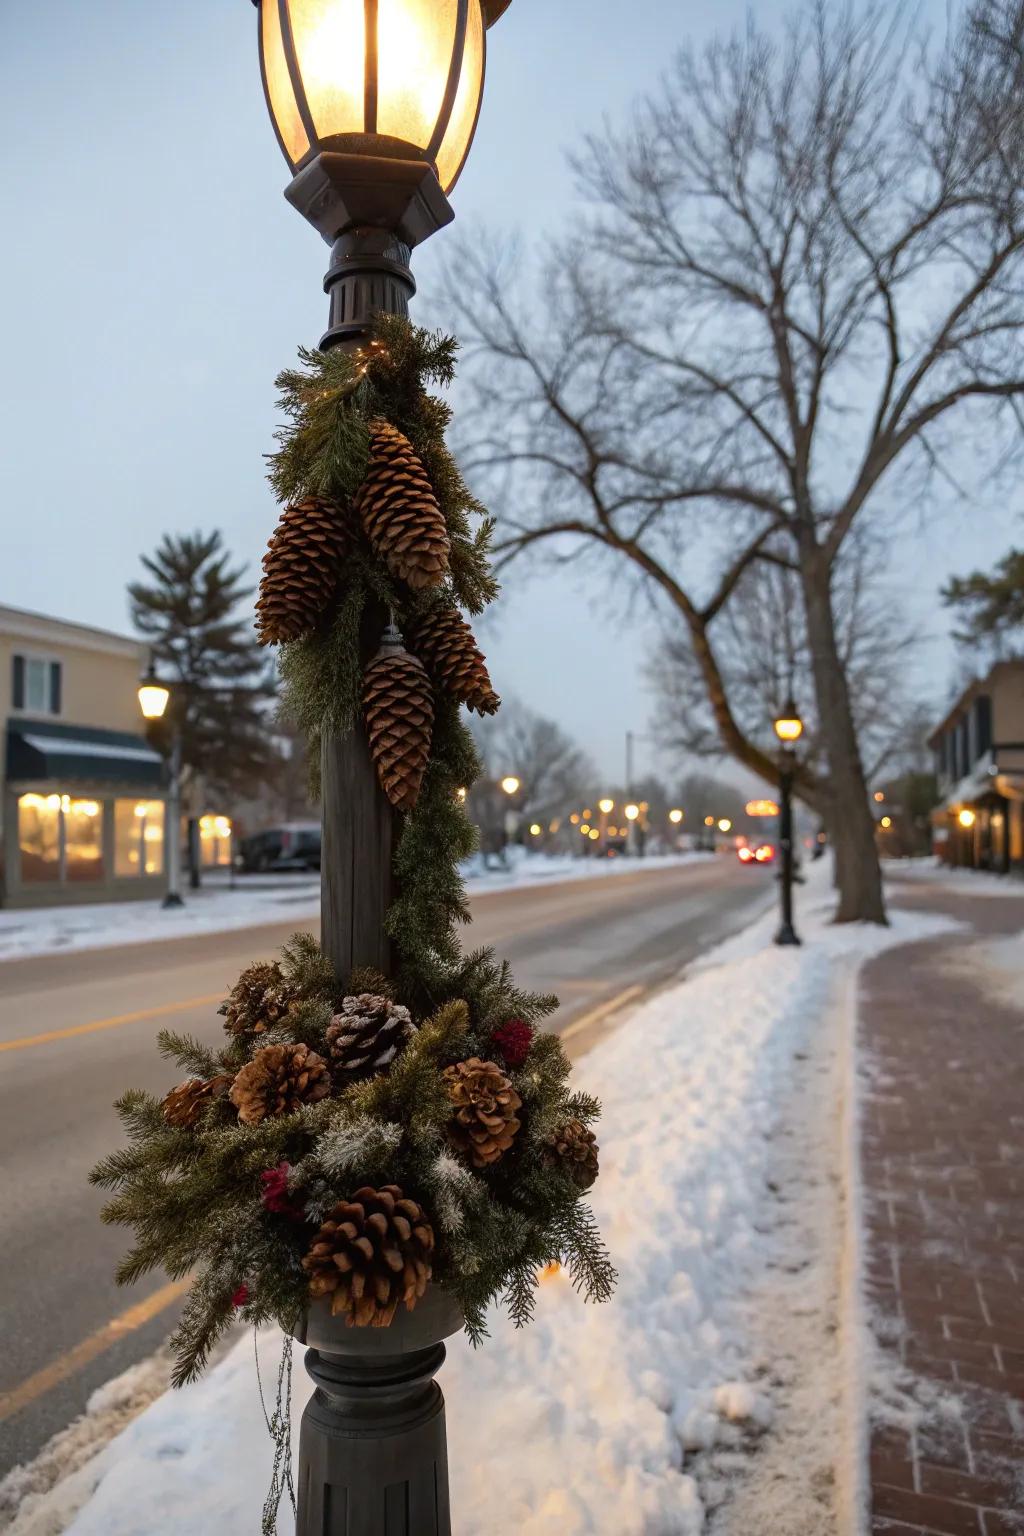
606 805
535 829
788 725
966 817
510 784
724 824
631 811
886 821
675 816
153 695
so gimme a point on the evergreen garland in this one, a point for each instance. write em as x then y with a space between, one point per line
196 1194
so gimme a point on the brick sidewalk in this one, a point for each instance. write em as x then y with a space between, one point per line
943 1164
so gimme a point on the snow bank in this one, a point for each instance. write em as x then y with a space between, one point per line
619 1419
265 899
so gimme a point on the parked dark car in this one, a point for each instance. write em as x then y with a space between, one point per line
295 845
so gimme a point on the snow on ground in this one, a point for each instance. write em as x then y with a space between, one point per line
725 1157
965 882
255 899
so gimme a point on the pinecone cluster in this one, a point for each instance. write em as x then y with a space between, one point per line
373 1251
367 1033
301 568
399 511
399 711
184 1104
483 1123
259 999
444 643
573 1148
278 1080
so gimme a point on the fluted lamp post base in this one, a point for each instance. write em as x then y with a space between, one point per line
373 1454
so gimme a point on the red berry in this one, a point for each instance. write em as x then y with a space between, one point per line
241 1296
513 1040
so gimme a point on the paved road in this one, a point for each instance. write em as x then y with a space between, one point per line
66 1326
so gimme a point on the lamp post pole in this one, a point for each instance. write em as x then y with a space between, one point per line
788 729
173 897
787 933
370 169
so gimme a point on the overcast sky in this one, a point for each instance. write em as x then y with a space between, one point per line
153 282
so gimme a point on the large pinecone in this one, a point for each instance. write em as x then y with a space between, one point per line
444 641
573 1148
372 1252
367 1033
400 512
484 1122
259 999
278 1080
184 1104
399 712
301 568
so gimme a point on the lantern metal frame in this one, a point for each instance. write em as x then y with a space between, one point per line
371 196
369 142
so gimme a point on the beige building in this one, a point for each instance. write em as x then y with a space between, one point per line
82 812
979 763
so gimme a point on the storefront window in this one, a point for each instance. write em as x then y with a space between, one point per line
83 839
39 838
215 841
138 837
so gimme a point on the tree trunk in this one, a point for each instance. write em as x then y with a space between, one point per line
851 824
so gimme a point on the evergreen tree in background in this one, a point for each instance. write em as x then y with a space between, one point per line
991 605
193 610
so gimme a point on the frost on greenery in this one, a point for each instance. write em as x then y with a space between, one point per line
365 1147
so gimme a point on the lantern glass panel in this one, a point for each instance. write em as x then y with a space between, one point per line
415 42
459 133
330 42
279 85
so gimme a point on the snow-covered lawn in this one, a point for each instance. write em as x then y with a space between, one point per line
727 1197
254 899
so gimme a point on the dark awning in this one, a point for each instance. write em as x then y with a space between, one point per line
40 749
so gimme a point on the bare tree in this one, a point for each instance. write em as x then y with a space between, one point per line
764 655
804 264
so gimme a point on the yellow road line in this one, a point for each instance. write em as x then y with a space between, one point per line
595 1015
112 1023
67 1364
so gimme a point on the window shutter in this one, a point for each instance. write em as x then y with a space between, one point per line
55 681
18 682
983 722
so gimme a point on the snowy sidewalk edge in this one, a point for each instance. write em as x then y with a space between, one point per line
852 1491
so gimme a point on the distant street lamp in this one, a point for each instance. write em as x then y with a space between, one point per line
510 784
966 817
605 805
789 728
675 816
631 812
154 697
724 825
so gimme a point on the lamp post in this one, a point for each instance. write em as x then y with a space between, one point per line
374 104
154 697
788 728
510 785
